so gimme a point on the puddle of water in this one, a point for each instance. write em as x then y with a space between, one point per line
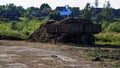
7 57
17 65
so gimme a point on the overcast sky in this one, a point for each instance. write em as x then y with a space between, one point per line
54 3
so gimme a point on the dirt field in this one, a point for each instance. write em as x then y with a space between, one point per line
22 54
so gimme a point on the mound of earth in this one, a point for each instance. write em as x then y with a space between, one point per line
69 30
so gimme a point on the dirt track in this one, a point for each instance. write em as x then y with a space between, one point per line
21 54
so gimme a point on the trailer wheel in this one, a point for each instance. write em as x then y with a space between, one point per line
84 39
91 40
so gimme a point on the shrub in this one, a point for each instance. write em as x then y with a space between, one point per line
113 27
104 26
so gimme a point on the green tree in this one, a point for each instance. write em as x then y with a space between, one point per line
45 6
27 13
55 16
21 10
87 12
10 6
2 7
106 14
33 9
75 12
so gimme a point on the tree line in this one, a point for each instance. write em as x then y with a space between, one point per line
86 13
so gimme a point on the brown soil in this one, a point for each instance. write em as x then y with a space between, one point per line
22 54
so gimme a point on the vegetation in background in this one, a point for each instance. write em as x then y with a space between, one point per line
113 27
110 33
21 29
87 12
106 14
75 12
55 16
108 38
45 6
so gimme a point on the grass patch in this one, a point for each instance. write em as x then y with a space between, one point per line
21 29
108 38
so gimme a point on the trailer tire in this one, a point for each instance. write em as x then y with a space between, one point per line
84 39
91 40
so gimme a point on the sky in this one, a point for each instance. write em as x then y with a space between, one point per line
54 3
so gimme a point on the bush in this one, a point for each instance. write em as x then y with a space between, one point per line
104 26
113 27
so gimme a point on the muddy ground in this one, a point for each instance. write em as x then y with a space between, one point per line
22 54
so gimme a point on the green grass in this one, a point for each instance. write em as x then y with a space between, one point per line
108 38
110 33
21 29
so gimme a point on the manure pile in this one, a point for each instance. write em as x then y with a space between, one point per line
47 33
